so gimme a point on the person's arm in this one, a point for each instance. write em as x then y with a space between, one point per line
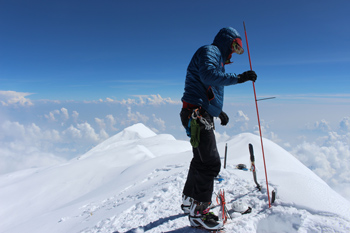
210 70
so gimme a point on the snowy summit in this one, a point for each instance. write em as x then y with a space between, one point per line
133 181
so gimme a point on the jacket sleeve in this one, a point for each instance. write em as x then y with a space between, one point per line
211 70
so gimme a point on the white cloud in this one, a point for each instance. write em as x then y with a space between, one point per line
52 135
12 160
344 125
329 156
62 114
100 123
51 115
322 126
30 134
72 132
14 98
103 134
75 115
159 122
129 102
111 121
156 100
331 162
108 123
133 118
109 100
65 114
241 120
141 100
224 137
25 146
240 116
12 130
88 132
33 130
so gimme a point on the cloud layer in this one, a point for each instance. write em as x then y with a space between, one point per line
42 133
329 155
15 98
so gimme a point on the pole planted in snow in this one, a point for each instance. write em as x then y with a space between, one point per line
257 112
225 156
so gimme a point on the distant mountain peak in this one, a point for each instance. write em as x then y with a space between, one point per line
140 129
135 132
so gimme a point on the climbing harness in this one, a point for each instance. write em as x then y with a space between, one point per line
193 128
196 115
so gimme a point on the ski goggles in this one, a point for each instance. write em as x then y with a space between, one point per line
237 47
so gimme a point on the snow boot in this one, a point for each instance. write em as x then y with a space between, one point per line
186 203
200 216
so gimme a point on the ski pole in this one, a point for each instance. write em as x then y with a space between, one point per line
257 112
225 156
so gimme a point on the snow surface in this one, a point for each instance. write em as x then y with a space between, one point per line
133 181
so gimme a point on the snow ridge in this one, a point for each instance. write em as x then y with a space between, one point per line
133 182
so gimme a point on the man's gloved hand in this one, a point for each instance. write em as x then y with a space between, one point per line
246 76
224 118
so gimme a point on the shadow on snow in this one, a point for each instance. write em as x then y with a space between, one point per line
161 221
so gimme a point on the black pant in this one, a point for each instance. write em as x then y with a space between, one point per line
205 164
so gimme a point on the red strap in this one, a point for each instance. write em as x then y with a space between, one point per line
188 105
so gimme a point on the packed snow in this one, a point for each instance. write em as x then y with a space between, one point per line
133 181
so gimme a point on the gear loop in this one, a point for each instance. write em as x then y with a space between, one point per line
196 115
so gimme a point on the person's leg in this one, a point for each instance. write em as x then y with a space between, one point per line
185 115
205 166
198 189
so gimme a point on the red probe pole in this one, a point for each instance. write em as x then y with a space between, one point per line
257 112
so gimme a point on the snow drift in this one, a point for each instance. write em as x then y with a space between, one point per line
133 181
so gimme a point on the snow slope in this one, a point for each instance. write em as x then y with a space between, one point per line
132 182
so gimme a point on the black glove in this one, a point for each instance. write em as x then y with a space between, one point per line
224 118
246 76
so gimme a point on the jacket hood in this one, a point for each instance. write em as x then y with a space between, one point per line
223 40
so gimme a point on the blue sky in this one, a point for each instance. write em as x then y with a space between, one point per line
73 73
87 50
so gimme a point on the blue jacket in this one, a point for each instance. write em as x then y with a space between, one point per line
206 77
